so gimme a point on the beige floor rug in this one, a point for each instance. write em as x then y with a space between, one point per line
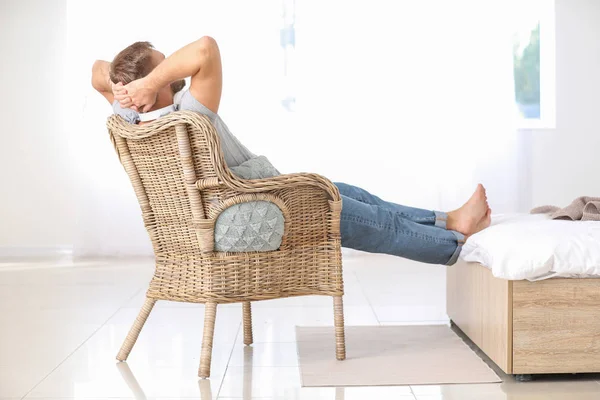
389 355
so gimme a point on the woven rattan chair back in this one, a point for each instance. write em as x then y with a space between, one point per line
182 183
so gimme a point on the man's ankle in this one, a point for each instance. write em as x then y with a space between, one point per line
452 221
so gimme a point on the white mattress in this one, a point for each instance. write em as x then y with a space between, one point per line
535 247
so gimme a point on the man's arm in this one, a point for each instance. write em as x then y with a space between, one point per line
101 79
200 59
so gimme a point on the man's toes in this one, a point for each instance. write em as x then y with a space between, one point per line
481 193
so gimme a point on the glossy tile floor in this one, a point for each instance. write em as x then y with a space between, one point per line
62 323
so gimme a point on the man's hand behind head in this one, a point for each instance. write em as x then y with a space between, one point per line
137 95
120 94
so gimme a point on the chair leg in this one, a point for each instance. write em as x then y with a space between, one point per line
134 332
340 338
247 310
210 313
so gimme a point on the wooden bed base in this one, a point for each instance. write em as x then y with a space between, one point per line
549 326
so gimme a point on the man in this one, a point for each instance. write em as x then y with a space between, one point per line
199 60
141 79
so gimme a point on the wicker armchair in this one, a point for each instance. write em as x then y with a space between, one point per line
182 184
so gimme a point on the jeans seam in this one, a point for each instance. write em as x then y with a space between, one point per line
407 216
388 227
418 220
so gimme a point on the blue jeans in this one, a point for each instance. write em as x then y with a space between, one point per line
377 226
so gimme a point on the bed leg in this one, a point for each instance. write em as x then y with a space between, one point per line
523 377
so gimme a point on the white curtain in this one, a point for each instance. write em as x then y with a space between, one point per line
412 100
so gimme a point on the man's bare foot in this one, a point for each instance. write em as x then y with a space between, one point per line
467 218
485 222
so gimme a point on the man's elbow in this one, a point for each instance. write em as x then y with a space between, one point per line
96 74
97 67
207 46
207 42
95 82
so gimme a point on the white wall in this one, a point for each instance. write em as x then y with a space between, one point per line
47 199
565 160
108 215
36 195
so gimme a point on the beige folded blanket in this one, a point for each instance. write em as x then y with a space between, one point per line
584 208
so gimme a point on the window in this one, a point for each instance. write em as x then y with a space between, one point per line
533 58
288 44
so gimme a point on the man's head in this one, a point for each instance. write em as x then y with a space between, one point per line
135 62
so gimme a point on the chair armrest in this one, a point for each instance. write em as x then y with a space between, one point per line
286 181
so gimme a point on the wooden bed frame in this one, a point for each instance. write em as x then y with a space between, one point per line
549 326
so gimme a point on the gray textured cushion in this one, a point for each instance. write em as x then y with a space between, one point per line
254 225
251 226
255 168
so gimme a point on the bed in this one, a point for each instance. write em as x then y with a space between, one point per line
527 293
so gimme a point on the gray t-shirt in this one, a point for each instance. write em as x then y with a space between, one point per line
234 151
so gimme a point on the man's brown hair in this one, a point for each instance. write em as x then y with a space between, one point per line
135 62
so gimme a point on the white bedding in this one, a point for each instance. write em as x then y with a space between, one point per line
535 247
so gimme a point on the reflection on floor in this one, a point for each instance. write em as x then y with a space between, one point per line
62 323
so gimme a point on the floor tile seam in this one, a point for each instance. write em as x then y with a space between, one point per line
82 343
229 359
362 289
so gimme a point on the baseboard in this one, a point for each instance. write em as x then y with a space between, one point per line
26 252
24 257
112 252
